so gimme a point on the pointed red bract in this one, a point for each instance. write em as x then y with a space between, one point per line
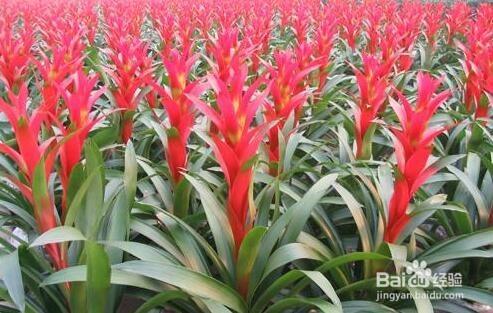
236 144
413 143
179 108
79 98
27 126
373 83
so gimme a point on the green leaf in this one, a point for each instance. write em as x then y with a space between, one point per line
58 234
41 197
358 215
291 252
119 220
472 294
94 204
160 299
181 200
302 209
211 253
287 304
475 193
78 199
142 251
192 282
287 280
162 187
246 257
458 244
10 274
218 222
365 306
130 174
75 182
98 277
79 274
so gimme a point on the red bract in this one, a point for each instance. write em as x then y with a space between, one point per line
26 127
131 69
413 143
300 23
288 94
79 98
432 22
373 21
165 27
478 69
372 82
257 33
237 141
405 28
457 19
15 56
324 39
351 16
227 52
179 109
63 57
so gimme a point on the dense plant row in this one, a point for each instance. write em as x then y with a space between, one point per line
243 156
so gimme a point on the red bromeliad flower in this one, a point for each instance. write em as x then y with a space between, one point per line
165 27
179 108
237 141
457 20
478 69
432 22
26 127
300 22
372 82
79 97
131 69
351 20
405 28
257 32
288 94
413 144
374 18
324 38
63 57
228 52
15 55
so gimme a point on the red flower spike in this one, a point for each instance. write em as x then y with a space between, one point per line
413 144
26 129
79 98
63 57
15 56
457 20
288 93
179 108
372 82
433 14
228 52
325 36
131 69
237 142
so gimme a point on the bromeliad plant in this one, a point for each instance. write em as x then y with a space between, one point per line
373 84
288 96
129 71
237 141
79 99
35 160
413 144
